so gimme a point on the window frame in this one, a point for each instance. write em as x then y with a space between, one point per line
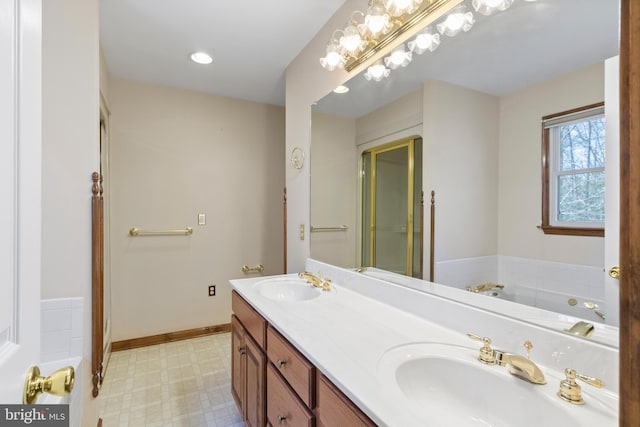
547 227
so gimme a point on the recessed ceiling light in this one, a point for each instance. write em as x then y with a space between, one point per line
201 58
341 89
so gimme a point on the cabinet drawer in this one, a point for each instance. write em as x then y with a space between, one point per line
284 408
250 319
294 367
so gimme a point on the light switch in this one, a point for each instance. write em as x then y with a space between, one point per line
202 219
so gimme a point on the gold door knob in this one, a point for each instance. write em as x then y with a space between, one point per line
60 383
614 272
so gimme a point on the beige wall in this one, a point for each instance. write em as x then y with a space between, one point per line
461 166
399 119
334 183
520 170
104 80
175 154
70 153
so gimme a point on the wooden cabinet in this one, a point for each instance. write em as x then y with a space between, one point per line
284 407
248 362
333 408
274 384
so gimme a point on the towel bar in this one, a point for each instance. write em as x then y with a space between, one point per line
134 232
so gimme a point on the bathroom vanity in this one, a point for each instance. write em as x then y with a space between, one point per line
363 351
298 394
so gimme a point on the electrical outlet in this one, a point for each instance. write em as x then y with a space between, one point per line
212 290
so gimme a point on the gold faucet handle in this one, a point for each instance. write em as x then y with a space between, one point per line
570 391
326 285
487 355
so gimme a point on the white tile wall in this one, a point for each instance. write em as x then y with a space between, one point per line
61 327
464 272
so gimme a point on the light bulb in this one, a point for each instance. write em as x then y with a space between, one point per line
377 72
377 20
488 7
424 41
351 41
398 58
400 7
457 20
334 59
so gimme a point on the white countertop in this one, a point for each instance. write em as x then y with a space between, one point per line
345 333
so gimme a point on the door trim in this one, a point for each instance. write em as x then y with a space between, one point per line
629 212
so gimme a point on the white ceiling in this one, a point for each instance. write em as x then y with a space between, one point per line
253 42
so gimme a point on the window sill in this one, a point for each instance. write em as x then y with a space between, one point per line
571 231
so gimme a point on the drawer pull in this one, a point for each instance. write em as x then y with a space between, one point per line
242 350
282 418
281 363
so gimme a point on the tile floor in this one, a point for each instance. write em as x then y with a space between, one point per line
179 384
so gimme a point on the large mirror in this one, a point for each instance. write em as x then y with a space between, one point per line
477 103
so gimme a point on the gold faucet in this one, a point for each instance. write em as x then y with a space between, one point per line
582 329
484 287
316 281
520 366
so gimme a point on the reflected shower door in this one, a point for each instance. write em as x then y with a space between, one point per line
389 184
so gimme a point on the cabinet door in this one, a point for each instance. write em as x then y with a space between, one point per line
238 353
255 384
333 408
284 407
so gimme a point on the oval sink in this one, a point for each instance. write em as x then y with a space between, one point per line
287 289
445 385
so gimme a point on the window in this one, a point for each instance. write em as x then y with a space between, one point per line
573 152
